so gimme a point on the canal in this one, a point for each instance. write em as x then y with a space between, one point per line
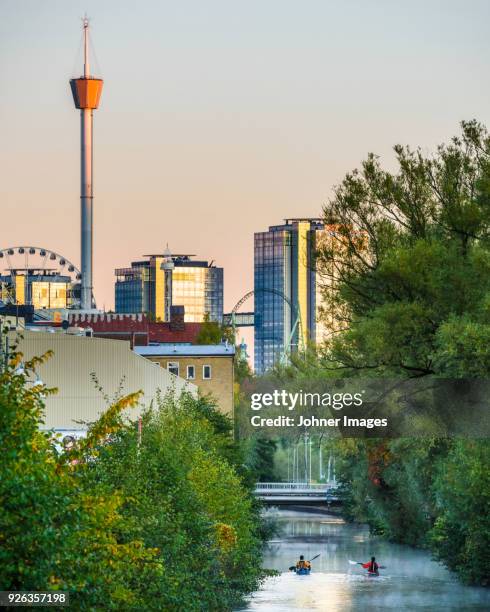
411 580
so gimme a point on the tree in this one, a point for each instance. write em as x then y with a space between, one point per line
183 498
55 534
260 457
123 522
461 533
410 258
408 278
212 332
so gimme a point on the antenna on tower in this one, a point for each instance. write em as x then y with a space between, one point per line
86 64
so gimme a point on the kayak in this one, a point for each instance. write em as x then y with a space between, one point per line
373 574
304 571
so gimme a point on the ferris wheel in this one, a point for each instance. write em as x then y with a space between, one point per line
36 264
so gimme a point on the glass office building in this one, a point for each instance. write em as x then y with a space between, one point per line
40 288
196 285
287 291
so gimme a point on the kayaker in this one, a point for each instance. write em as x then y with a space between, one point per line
371 566
302 564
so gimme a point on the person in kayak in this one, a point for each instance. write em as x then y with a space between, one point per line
371 566
302 564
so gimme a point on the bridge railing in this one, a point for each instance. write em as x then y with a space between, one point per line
293 486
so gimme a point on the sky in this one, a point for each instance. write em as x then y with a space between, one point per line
220 118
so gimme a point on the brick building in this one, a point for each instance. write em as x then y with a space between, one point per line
139 329
209 367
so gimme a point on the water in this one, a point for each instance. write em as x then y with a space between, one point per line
411 581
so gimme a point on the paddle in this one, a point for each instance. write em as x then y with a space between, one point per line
293 567
360 563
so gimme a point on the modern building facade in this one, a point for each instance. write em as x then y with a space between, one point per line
43 289
196 285
209 367
287 290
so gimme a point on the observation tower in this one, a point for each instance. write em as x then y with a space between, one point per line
86 92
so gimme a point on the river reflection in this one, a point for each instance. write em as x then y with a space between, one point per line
411 581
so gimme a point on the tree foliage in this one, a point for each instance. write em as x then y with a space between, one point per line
212 332
433 493
408 271
409 262
461 533
160 521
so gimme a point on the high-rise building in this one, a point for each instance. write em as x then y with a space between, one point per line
196 285
287 290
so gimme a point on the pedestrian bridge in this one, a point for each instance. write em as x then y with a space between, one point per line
295 492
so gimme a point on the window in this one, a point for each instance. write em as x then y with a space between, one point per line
173 367
206 372
191 372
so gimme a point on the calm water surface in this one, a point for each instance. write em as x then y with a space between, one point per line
411 581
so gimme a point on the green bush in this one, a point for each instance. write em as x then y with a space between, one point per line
433 493
123 522
461 534
411 293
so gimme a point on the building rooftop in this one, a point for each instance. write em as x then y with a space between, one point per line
138 328
70 369
173 255
290 223
290 220
180 261
185 350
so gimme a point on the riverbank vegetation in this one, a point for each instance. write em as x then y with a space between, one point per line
152 518
411 289
407 291
431 493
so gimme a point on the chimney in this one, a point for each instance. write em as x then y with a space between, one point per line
177 318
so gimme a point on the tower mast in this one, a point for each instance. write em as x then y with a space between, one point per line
86 92
86 65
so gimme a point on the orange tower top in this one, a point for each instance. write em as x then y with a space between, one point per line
86 90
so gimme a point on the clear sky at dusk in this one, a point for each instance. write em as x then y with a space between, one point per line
220 118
